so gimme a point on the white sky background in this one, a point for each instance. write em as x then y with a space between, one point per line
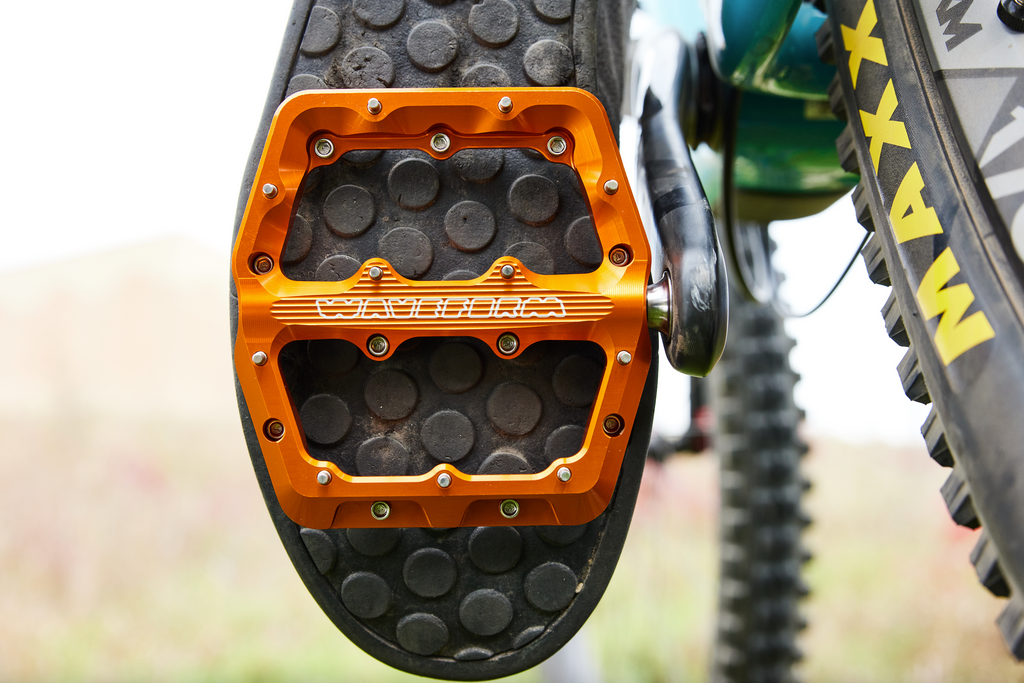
125 122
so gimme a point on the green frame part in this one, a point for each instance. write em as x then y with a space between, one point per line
786 145
769 46
786 134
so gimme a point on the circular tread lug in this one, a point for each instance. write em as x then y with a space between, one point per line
378 14
534 256
373 542
533 199
432 46
485 612
422 634
337 267
564 442
325 419
486 76
408 251
391 394
348 211
414 184
470 226
448 435
321 548
332 356
300 240
503 462
364 67
366 595
455 367
514 409
495 549
323 30
548 63
382 456
479 165
550 587
494 23
429 572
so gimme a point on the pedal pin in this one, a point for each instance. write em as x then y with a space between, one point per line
376 273
377 345
373 105
259 358
611 187
380 510
556 145
323 477
508 272
274 430
508 343
444 480
612 425
564 474
440 143
263 264
624 357
509 509
505 105
324 148
618 256
270 190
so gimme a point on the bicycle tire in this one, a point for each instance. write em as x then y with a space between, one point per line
761 519
941 242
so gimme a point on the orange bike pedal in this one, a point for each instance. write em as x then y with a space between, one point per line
399 458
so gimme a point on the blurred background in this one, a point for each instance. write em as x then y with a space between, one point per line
134 544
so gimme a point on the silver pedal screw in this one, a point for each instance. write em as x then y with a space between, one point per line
556 145
564 474
611 187
323 477
259 358
505 105
509 509
380 510
624 357
377 345
376 273
444 480
440 143
508 343
324 148
508 271
373 105
270 190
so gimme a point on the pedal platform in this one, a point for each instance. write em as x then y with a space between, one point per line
509 308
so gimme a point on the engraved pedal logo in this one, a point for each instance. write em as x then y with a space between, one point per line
446 308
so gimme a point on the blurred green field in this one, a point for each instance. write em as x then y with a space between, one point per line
135 546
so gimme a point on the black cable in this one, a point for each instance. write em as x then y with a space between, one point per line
784 310
745 276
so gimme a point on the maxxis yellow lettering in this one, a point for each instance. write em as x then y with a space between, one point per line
921 220
909 216
955 334
860 44
881 128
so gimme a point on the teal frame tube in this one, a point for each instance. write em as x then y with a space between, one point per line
786 134
768 46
